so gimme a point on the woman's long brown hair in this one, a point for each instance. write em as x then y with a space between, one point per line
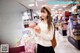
49 18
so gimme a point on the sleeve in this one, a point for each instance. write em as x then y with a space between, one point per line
47 36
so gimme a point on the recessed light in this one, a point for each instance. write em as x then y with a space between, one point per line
52 9
56 5
31 5
39 0
64 6
59 9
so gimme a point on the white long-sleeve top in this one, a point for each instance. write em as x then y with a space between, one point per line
44 37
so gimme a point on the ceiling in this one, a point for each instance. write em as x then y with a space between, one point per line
36 4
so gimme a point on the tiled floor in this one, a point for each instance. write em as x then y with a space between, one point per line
63 45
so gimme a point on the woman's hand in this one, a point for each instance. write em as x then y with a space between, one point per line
37 29
32 25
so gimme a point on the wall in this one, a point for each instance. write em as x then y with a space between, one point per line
0 21
11 24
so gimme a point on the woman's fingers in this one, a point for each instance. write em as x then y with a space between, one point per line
32 25
37 29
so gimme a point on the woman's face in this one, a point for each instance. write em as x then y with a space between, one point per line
44 14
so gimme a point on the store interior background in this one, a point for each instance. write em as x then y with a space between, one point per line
13 13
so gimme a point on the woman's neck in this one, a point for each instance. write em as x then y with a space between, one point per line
45 20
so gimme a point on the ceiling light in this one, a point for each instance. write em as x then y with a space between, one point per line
31 5
59 9
25 13
64 6
52 9
56 5
39 0
36 4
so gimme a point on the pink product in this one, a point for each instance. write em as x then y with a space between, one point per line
30 48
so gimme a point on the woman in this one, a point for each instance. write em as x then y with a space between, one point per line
44 31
